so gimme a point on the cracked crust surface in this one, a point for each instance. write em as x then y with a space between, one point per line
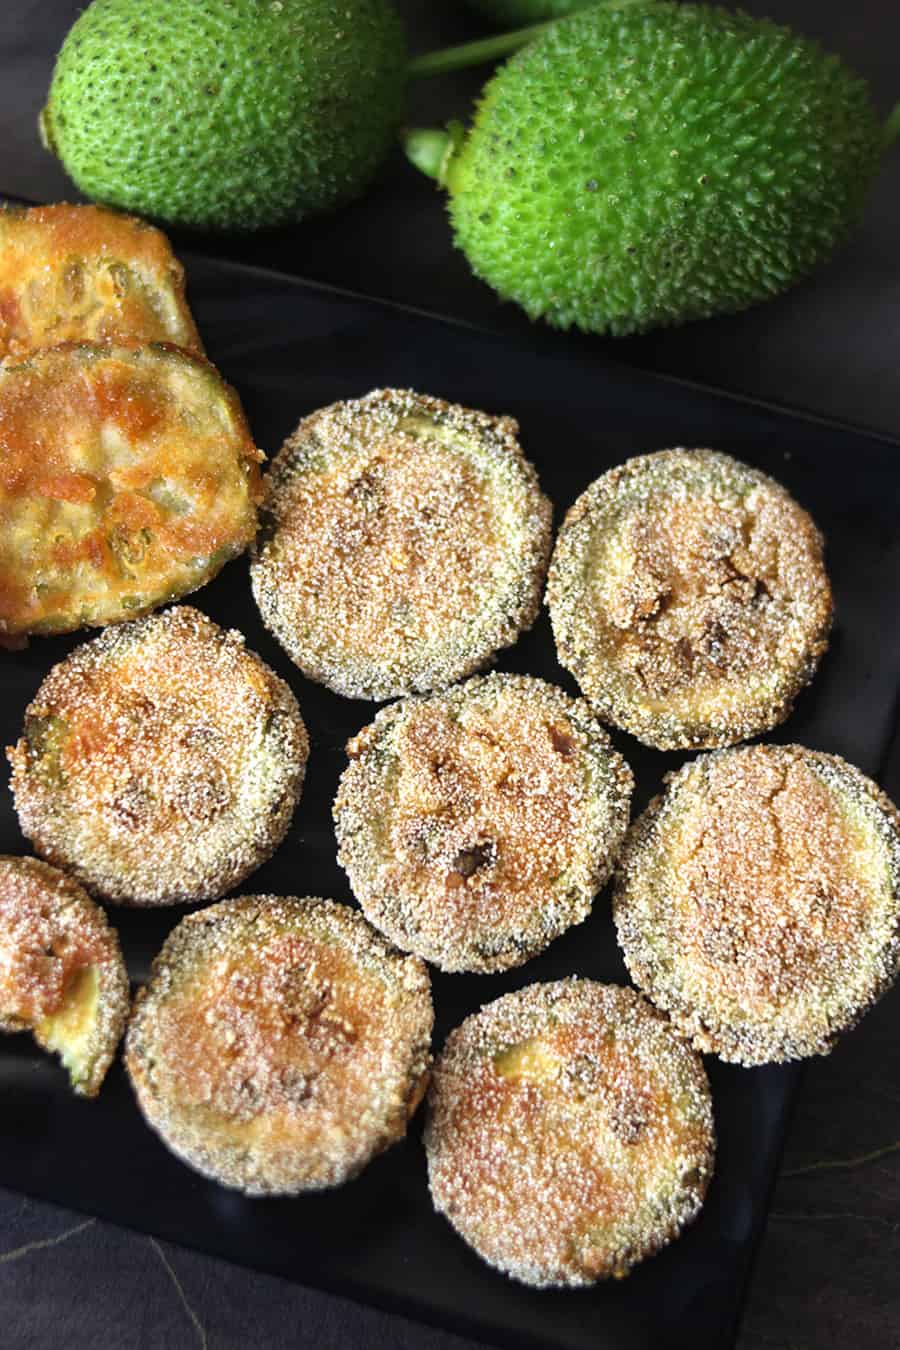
161 762
757 901
570 1132
404 541
128 477
478 824
689 598
280 1043
87 274
62 975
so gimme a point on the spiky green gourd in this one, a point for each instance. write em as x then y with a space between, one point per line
642 167
508 13
227 114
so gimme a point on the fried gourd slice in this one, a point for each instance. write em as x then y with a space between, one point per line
87 274
160 762
689 598
404 541
477 825
127 478
280 1043
61 970
758 901
570 1132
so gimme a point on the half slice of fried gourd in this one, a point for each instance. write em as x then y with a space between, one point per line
62 975
280 1044
128 477
84 273
404 542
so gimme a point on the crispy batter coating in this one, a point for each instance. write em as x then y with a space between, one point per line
128 477
280 1044
477 825
87 274
758 901
404 541
570 1132
160 762
689 598
62 975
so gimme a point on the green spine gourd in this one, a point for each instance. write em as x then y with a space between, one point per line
227 114
646 166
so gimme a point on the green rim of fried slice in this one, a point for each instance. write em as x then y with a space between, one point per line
87 274
477 825
128 477
570 1132
161 762
280 1044
62 975
404 541
757 901
689 598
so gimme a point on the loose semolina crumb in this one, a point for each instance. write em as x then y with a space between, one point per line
689 598
280 1043
161 762
404 541
757 900
570 1132
478 824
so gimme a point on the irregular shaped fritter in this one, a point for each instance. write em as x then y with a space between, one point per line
128 477
160 762
405 541
86 274
62 975
689 598
280 1043
478 824
758 901
570 1132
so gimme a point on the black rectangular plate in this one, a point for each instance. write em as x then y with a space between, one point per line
290 348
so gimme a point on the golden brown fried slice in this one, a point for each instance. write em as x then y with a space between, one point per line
128 477
61 970
280 1043
405 541
478 824
570 1132
161 762
689 598
87 274
758 901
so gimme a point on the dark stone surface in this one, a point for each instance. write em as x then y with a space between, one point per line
826 1277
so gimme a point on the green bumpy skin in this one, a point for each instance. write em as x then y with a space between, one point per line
509 13
227 114
638 168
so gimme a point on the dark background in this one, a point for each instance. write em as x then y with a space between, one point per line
826 1277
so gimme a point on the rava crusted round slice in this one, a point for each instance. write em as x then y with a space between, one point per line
62 975
758 901
477 825
83 273
404 541
280 1043
128 477
570 1132
160 762
689 598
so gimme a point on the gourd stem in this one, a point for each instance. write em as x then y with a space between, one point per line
489 48
892 126
473 53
